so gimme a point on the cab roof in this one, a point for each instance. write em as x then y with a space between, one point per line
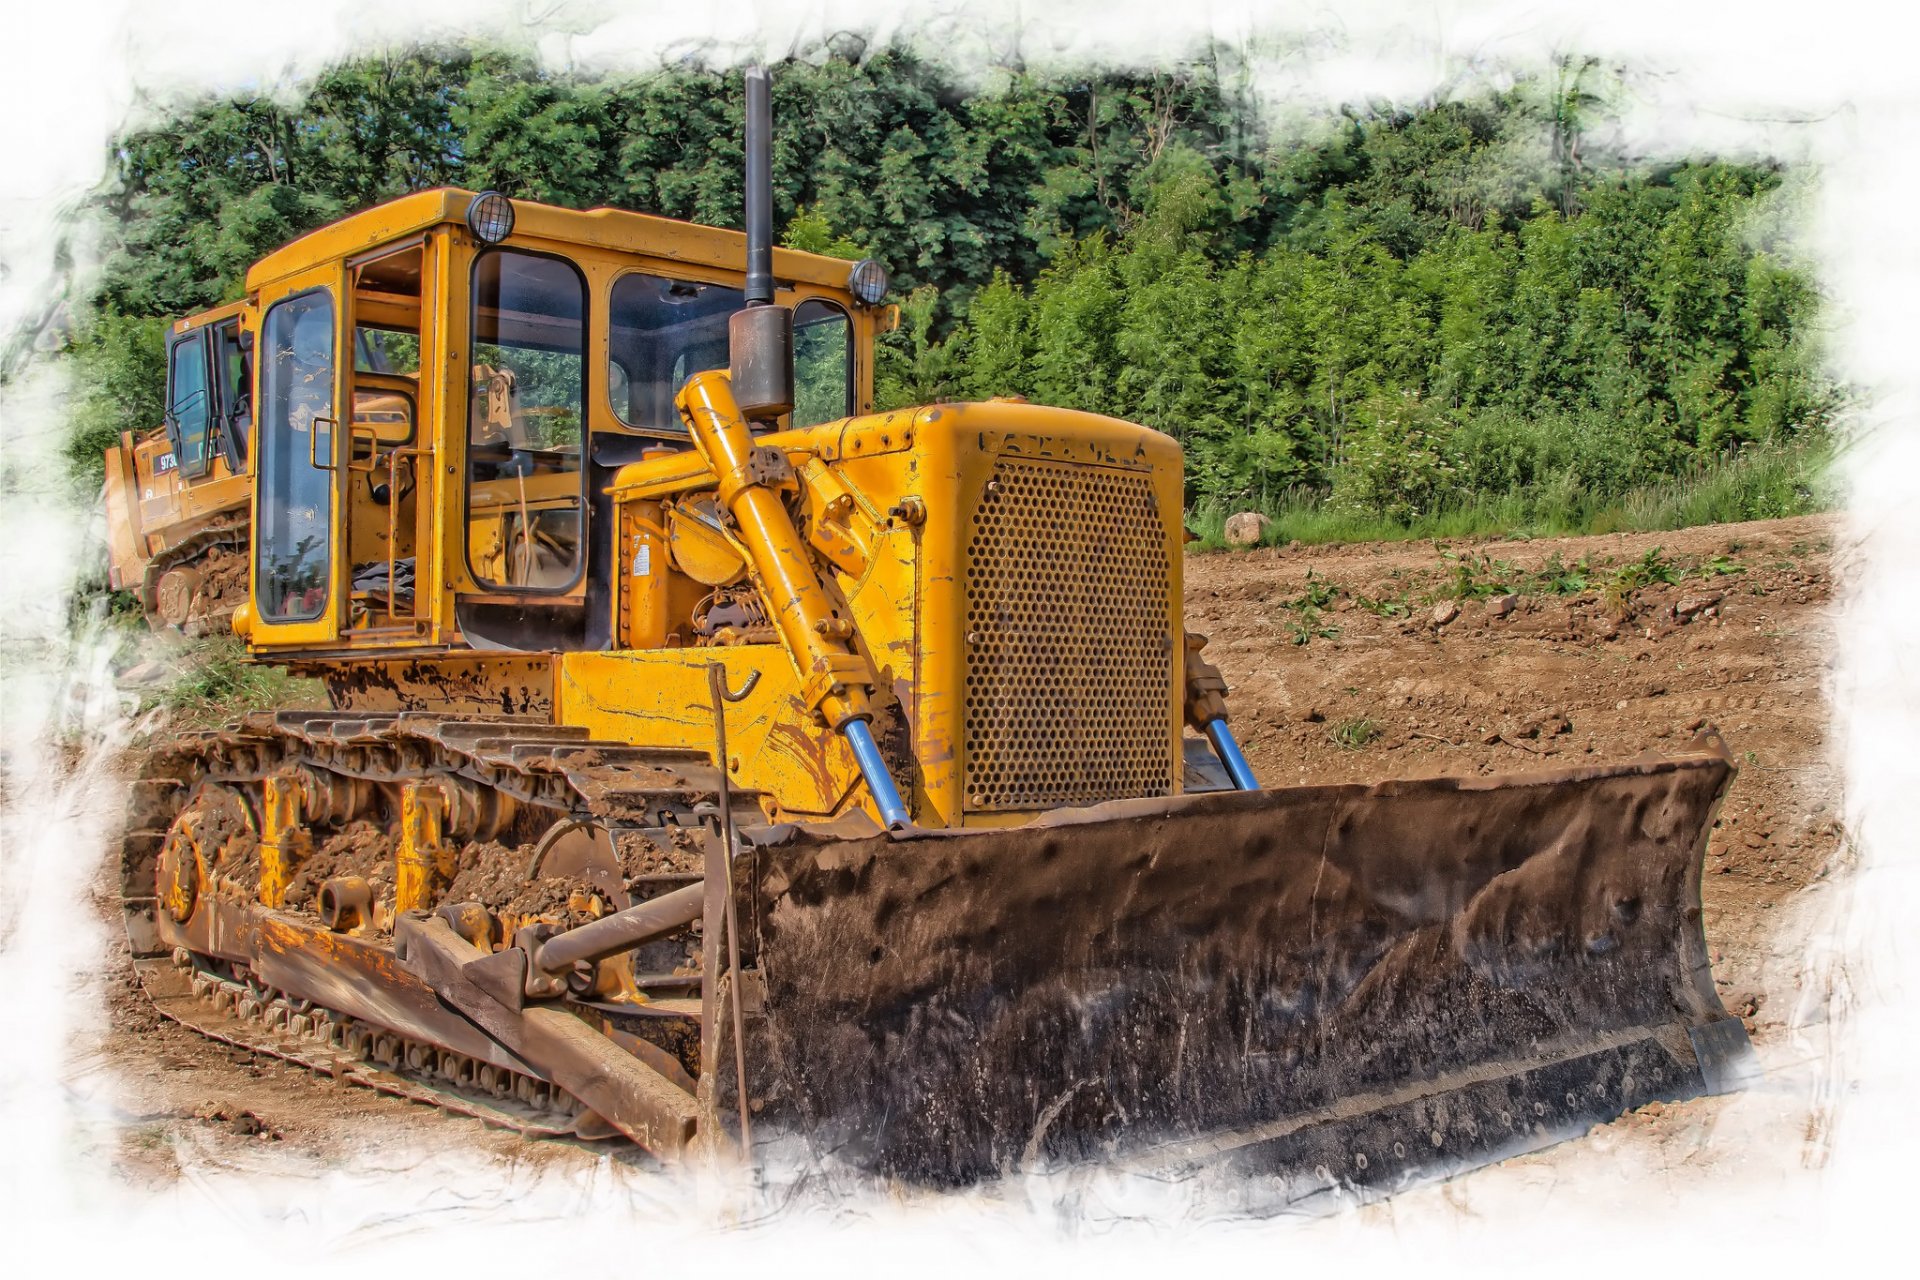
617 230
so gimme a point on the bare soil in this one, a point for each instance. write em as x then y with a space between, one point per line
1340 670
1584 675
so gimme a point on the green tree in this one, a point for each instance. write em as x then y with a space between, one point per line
121 371
1387 305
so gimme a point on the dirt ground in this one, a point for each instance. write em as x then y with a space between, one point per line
1345 663
1565 676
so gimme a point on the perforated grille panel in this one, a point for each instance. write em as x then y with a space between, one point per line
1070 664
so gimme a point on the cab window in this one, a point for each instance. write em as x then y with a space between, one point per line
822 363
293 527
525 486
233 368
662 332
377 350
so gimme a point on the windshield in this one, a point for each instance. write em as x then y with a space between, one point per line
661 332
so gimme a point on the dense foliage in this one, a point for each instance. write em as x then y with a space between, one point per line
1390 310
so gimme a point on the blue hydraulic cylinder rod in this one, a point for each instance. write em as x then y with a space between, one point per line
893 811
1229 752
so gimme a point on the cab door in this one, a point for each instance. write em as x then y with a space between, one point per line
301 362
191 407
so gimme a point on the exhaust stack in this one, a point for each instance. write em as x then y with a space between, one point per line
760 337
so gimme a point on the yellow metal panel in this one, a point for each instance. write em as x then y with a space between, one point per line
458 683
358 232
200 319
613 230
445 370
661 699
961 444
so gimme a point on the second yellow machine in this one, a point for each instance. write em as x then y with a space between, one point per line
711 754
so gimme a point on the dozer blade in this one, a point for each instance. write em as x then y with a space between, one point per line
1343 984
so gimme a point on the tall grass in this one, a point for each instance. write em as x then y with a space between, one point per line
217 682
1759 483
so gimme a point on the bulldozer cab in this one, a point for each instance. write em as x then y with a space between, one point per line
172 491
209 395
440 416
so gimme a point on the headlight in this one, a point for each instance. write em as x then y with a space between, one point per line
490 217
867 282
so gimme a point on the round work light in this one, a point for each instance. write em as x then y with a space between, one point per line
490 217
867 282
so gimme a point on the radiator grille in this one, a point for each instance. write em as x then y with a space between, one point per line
1070 664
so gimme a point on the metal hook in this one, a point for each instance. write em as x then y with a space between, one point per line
717 677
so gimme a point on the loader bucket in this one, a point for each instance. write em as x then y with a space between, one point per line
1350 983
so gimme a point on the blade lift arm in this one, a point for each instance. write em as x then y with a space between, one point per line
837 681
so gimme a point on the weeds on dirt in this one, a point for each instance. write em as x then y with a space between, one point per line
1630 577
1720 567
1320 594
1556 578
1307 631
1396 607
1465 577
1472 577
1354 734
1309 608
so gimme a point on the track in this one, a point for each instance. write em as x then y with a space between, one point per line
506 779
172 604
241 1013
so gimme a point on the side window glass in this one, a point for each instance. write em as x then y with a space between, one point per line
386 351
662 332
294 525
525 492
822 363
189 403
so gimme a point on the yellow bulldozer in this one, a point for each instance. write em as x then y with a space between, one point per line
712 757
176 497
